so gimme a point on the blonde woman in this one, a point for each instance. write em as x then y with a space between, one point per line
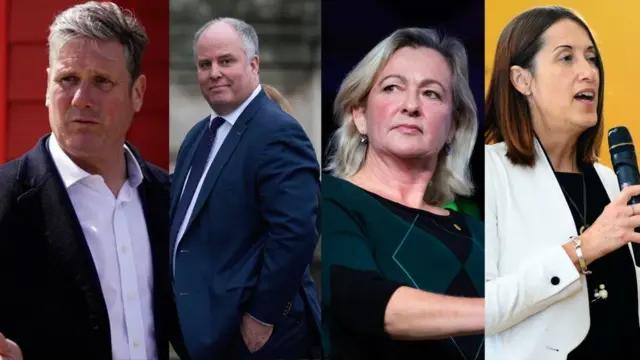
403 277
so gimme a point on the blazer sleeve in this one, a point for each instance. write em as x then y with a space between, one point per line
512 297
288 186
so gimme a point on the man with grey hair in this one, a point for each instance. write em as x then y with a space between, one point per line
83 218
244 202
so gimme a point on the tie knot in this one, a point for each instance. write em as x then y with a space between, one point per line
215 124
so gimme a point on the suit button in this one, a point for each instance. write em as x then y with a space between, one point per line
555 280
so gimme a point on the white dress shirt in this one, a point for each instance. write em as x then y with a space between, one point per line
116 232
221 134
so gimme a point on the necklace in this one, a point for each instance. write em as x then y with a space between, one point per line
600 292
583 214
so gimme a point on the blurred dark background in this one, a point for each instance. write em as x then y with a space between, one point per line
351 28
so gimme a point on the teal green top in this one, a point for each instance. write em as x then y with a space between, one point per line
464 206
361 233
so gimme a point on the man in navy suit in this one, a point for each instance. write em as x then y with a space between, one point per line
244 200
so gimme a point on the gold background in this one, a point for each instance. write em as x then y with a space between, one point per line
616 28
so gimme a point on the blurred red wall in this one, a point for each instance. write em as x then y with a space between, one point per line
23 61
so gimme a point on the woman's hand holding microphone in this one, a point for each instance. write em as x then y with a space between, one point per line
614 228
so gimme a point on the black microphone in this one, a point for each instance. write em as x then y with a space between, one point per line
625 164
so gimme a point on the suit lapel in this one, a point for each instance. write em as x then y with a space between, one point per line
223 155
183 170
546 189
48 207
154 196
554 230
155 201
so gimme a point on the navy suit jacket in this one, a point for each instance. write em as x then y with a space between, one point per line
252 233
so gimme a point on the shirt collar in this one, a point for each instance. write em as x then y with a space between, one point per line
72 173
233 116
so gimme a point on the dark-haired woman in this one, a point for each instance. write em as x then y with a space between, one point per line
561 280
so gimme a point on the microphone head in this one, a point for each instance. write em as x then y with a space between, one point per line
620 140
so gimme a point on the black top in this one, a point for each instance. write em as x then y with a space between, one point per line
371 246
614 329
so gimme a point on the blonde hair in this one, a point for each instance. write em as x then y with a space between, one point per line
278 98
452 175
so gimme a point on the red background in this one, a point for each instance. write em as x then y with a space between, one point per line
24 28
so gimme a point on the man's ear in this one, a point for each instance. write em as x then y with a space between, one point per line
47 99
137 92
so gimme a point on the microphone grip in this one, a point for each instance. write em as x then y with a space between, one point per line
628 175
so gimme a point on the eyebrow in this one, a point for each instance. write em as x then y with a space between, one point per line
590 47
422 83
68 71
208 57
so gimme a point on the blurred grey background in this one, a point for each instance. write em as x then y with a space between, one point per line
289 35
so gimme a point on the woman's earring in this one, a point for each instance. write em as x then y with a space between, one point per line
447 148
364 139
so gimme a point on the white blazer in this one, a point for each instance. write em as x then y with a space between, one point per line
527 219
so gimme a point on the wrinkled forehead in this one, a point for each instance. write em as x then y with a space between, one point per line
85 52
418 64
